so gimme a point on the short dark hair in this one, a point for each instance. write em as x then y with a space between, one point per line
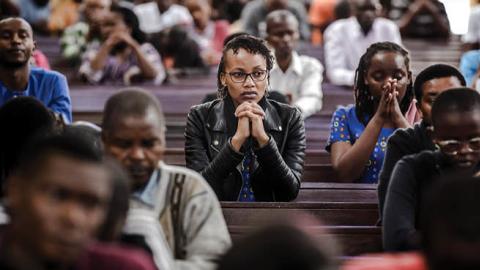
130 19
130 102
434 72
451 217
22 119
249 43
462 99
281 15
364 104
68 145
287 248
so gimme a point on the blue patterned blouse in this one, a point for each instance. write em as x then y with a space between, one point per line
345 127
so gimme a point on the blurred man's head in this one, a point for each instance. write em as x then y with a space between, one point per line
134 133
276 4
94 10
451 238
431 82
366 11
16 43
200 11
57 199
164 5
282 32
456 127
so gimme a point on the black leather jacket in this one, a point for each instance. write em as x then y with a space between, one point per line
278 167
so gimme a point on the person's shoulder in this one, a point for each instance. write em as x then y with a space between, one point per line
403 134
386 23
204 108
471 54
347 110
423 161
308 61
117 257
284 109
41 74
338 24
192 180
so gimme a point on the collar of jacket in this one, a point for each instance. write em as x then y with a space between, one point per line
224 110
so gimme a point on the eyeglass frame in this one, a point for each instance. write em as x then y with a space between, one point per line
247 75
444 143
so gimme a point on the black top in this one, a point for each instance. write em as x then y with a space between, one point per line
402 143
278 166
412 178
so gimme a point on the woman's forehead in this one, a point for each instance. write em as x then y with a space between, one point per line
386 59
242 59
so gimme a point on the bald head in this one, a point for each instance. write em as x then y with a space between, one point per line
8 22
281 16
131 102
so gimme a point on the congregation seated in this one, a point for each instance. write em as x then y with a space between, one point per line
18 78
173 208
383 95
247 147
124 56
428 84
208 34
75 38
255 12
347 39
63 188
456 131
298 77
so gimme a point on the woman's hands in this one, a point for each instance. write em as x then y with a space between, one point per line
118 37
250 123
388 109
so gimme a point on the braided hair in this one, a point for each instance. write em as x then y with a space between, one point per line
364 103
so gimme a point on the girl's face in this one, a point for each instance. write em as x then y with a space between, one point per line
384 68
111 23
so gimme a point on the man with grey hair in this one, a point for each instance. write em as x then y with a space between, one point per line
173 208
298 77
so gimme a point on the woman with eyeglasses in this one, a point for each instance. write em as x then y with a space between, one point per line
247 147
456 132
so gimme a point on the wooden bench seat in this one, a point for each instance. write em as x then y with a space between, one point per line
331 213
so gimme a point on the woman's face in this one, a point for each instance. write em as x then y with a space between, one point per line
384 68
111 23
243 87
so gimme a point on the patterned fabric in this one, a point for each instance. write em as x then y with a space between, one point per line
74 40
246 192
120 72
345 127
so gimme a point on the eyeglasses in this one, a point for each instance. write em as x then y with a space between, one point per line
240 77
452 147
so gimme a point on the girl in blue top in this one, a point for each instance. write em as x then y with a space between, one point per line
383 93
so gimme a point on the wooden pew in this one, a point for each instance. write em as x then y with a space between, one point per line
353 240
337 192
331 213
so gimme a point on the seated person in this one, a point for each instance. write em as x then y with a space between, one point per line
22 119
208 34
8 8
255 12
456 131
36 13
347 39
18 78
158 15
471 39
124 56
288 248
190 231
298 77
422 19
76 37
469 66
359 132
247 147
62 189
429 83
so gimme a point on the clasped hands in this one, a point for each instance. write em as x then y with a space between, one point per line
249 114
388 109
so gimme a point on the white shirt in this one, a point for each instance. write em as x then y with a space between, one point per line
152 21
473 32
345 43
302 81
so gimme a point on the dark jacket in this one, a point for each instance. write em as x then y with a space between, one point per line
278 167
403 142
412 178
